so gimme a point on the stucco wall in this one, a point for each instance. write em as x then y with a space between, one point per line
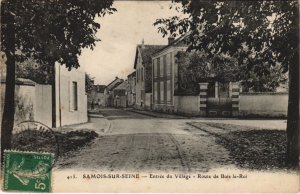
263 104
43 104
189 105
24 103
63 96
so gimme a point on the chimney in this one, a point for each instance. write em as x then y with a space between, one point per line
170 40
143 43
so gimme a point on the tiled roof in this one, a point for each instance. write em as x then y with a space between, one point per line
121 86
114 83
131 75
146 52
179 42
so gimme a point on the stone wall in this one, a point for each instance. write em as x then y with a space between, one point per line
265 104
32 102
188 105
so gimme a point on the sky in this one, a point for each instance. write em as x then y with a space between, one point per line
120 33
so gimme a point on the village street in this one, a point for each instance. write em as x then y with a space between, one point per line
136 142
130 141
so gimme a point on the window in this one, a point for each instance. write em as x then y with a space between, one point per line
158 66
169 91
155 92
142 74
155 68
74 97
162 92
161 70
168 66
165 64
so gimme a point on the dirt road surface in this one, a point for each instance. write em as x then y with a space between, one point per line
139 143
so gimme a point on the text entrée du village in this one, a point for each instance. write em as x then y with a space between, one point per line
157 176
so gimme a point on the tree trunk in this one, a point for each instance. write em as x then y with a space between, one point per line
9 102
293 116
293 103
53 92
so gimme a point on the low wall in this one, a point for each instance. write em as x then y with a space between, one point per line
43 104
32 102
24 102
263 104
189 105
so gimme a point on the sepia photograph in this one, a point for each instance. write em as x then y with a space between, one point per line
147 96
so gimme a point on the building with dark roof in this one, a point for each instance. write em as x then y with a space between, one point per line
119 95
165 74
109 98
143 67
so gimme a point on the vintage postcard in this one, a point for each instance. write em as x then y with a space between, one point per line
149 96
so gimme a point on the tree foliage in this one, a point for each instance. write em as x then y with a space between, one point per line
46 31
195 67
254 32
37 72
53 30
258 34
89 83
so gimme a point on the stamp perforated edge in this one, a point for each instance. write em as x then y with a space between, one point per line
28 152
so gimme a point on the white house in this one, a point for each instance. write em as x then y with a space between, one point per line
70 96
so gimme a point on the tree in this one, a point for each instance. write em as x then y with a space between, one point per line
258 34
195 67
47 31
37 72
89 83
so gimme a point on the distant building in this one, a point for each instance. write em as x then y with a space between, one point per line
96 96
119 95
109 97
131 89
165 75
143 67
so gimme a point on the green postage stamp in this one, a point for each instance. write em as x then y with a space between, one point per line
27 171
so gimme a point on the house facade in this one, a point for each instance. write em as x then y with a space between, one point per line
71 98
172 94
164 77
131 89
109 96
119 95
143 68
